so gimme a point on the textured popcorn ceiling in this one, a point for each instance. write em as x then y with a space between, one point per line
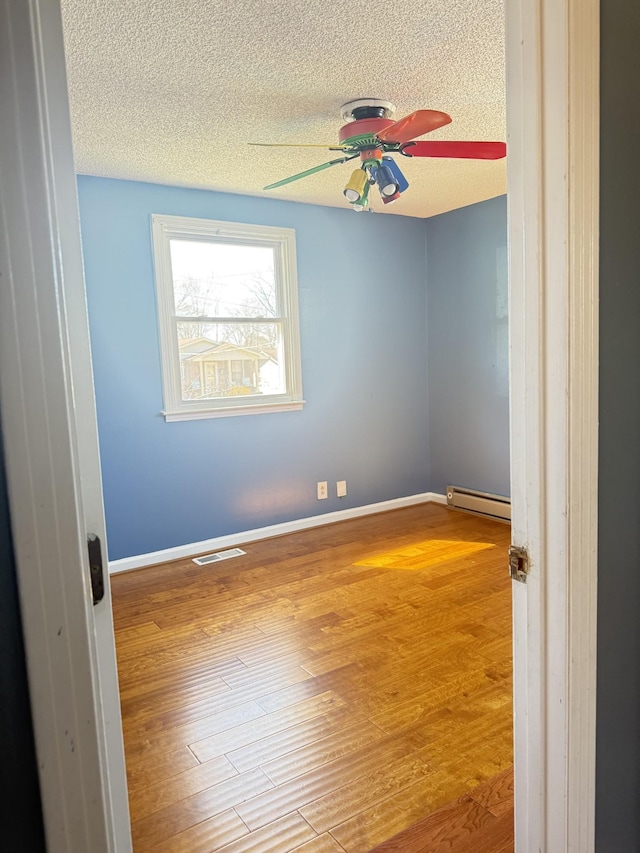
170 91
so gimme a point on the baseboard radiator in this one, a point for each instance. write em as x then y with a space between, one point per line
480 503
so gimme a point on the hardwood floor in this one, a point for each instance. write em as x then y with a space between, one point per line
478 822
322 693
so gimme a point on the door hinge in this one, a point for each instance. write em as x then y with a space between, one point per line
95 567
518 563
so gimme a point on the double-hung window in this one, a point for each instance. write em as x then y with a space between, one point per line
228 317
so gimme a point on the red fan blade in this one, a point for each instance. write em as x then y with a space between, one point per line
415 124
460 150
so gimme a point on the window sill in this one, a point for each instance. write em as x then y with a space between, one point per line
233 411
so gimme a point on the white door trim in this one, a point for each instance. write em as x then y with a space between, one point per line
48 421
552 50
553 95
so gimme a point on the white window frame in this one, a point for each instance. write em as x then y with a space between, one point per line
283 242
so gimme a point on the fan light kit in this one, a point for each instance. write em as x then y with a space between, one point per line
372 135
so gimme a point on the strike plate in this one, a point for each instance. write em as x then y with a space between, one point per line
518 563
96 567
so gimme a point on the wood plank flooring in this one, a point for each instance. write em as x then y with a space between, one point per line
478 822
323 693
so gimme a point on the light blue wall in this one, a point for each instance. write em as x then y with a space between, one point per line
468 348
363 335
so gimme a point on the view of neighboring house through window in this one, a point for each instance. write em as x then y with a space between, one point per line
227 305
232 351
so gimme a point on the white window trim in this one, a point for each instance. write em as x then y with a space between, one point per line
283 242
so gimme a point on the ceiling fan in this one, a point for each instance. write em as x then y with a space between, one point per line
371 134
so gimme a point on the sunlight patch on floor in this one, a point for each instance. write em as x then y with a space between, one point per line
424 554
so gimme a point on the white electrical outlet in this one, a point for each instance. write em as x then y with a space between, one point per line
323 492
341 488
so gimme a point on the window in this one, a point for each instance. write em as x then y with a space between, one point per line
228 317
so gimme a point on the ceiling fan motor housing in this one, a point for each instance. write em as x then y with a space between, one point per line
363 127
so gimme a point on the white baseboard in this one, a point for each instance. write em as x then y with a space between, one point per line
220 542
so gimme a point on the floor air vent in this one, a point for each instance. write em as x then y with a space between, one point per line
219 555
481 503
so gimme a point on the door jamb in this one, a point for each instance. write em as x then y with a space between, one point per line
53 473
553 178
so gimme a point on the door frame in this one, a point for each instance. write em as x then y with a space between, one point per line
553 98
553 128
47 403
